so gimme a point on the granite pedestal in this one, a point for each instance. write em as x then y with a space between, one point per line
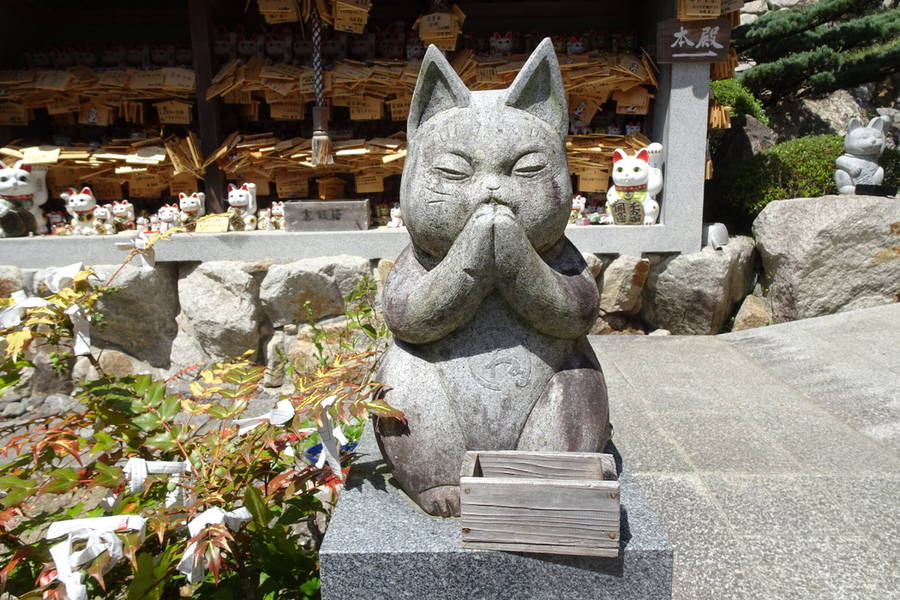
381 545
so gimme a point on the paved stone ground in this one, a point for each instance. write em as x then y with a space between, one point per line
772 456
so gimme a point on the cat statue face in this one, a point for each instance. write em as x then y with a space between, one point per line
194 205
501 43
17 182
278 209
498 146
243 197
865 141
630 171
123 210
168 213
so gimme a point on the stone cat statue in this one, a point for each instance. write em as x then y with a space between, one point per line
859 162
490 304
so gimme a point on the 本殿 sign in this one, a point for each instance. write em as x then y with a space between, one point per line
706 41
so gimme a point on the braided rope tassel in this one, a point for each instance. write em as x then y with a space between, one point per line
321 143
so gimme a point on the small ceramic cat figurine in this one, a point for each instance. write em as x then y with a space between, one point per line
501 43
192 207
859 162
80 205
396 217
123 215
264 219
632 198
578 205
23 191
242 201
103 220
277 218
490 304
168 217
415 49
576 44
56 223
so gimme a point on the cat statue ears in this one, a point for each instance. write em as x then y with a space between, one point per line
877 123
619 154
537 89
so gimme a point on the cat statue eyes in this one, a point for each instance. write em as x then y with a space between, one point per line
859 162
490 303
637 180
242 201
23 191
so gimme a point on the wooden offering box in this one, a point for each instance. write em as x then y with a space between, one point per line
549 502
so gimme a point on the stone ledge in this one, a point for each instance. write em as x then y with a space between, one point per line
47 251
380 545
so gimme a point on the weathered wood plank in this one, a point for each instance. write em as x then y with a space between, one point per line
546 549
545 465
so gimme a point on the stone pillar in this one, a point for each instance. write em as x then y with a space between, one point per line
684 139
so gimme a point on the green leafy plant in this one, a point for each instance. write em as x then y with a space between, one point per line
78 465
729 92
798 168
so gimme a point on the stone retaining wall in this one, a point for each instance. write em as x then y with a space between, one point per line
180 314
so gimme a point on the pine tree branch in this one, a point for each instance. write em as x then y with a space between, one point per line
784 23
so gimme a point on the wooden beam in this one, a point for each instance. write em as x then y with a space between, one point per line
200 16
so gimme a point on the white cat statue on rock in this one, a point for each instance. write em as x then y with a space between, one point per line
859 162
242 201
23 190
637 180
80 205
168 217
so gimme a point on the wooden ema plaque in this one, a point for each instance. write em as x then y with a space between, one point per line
327 215
707 41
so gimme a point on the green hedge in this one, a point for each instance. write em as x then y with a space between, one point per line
799 168
729 92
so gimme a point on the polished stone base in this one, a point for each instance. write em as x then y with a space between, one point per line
381 545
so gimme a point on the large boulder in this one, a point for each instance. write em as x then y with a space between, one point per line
797 117
11 280
219 308
140 316
323 282
622 283
829 254
697 293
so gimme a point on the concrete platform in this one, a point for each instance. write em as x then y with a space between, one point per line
381 546
772 456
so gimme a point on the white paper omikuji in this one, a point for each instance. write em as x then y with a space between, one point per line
281 414
194 567
81 329
11 315
137 469
331 445
57 279
99 536
146 257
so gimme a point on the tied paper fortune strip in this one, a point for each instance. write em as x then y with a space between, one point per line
146 256
57 279
81 330
194 567
136 471
11 315
99 535
281 414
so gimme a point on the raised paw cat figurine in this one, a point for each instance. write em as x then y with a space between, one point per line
242 201
23 191
192 208
631 200
123 215
168 217
80 205
103 220
859 162
490 304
